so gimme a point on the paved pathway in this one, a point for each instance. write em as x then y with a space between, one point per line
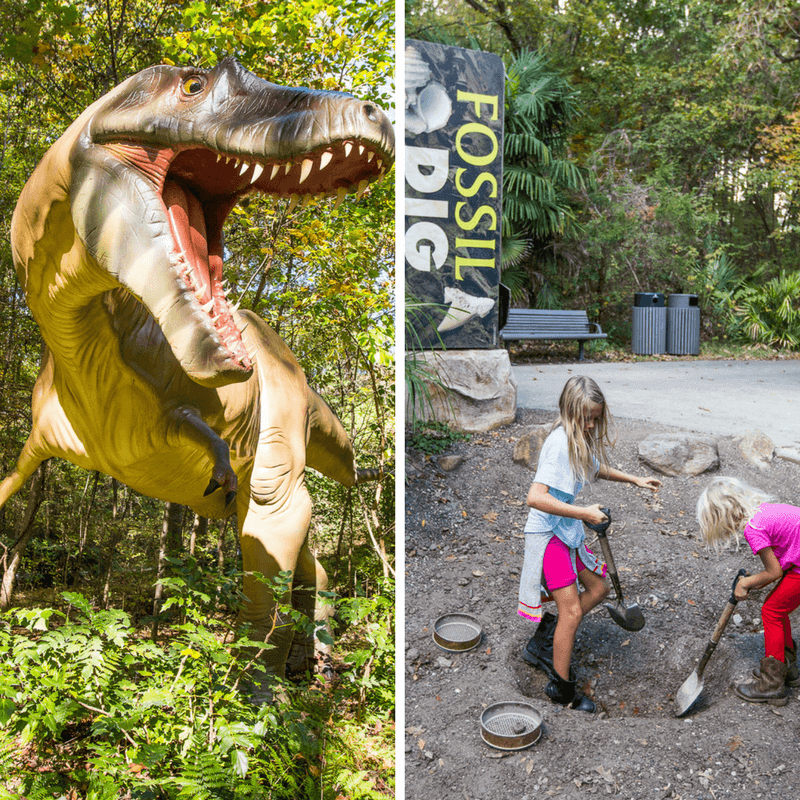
717 397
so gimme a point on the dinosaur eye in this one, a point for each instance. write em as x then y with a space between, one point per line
193 85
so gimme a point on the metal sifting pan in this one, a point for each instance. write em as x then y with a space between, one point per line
511 725
457 632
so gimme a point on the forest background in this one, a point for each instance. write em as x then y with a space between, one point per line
651 146
113 686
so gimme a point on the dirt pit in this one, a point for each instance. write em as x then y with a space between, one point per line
464 546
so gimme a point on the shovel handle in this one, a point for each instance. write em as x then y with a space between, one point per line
600 528
740 574
721 624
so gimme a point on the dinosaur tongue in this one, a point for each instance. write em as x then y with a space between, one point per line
202 271
188 224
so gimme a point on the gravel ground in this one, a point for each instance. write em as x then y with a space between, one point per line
464 546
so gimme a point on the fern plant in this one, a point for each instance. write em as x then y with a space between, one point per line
769 314
164 720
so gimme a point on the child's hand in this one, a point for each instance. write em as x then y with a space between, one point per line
651 483
741 590
593 515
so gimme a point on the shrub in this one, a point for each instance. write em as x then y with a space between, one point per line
769 314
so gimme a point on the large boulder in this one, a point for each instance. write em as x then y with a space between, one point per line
679 454
757 448
528 446
789 453
470 390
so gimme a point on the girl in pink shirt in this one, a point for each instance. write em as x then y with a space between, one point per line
727 508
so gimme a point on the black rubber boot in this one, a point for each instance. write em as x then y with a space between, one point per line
539 650
565 693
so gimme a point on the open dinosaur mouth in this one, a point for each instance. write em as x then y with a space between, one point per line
200 187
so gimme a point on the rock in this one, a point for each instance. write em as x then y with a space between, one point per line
789 453
470 390
526 450
412 654
450 463
679 454
757 448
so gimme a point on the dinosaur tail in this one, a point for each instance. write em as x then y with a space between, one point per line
329 450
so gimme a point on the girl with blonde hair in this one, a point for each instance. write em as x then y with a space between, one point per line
729 508
556 558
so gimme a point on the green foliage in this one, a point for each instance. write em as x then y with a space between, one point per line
539 180
433 438
370 660
686 119
769 314
169 719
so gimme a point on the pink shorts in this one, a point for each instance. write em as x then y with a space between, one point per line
557 565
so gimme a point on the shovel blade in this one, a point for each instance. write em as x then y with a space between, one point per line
630 618
689 692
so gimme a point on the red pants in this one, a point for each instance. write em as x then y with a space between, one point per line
782 600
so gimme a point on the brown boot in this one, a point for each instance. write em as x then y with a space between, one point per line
792 672
769 687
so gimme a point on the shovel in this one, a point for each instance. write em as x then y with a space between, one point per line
692 687
628 617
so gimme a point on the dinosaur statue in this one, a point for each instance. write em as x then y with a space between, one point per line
148 374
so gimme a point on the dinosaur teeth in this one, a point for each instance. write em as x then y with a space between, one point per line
208 306
341 193
325 159
361 149
370 156
380 165
257 170
305 169
293 203
362 188
275 168
245 166
348 148
307 200
287 168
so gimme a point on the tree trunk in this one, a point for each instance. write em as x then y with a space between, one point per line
221 545
170 533
199 528
12 558
114 538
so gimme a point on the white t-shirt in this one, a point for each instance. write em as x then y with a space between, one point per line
555 472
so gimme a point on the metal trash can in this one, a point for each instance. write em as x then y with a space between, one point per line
683 325
649 330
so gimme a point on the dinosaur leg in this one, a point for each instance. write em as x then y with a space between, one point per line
274 522
27 464
323 614
304 595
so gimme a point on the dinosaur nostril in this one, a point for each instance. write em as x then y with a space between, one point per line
371 112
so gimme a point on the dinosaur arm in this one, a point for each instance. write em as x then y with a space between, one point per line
188 424
329 450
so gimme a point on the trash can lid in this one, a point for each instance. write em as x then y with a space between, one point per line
683 300
648 299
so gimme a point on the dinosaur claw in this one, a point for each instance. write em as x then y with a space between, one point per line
212 487
229 498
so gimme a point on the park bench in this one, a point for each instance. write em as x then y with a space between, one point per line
534 323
